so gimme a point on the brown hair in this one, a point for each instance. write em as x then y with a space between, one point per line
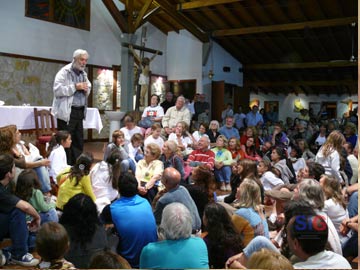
116 134
332 190
7 138
205 179
52 241
268 259
334 141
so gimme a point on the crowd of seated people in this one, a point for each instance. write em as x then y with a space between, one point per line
238 195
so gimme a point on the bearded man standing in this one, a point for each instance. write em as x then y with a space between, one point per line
71 90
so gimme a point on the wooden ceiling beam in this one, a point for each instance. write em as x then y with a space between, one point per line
129 4
300 65
142 12
284 27
299 83
118 17
203 3
182 20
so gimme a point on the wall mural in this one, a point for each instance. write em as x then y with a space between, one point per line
25 81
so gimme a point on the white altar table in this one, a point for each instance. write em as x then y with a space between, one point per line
23 117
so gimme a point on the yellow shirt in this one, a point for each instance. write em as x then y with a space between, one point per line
68 190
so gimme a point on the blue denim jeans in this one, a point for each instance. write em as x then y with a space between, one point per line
353 205
258 243
44 178
49 216
13 225
223 175
127 164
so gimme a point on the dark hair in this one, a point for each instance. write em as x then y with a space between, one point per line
136 137
128 185
205 179
107 259
80 218
297 149
157 97
6 165
222 235
311 241
315 169
114 160
293 208
82 167
128 118
57 138
26 182
52 241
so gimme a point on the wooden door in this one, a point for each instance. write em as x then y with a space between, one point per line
217 99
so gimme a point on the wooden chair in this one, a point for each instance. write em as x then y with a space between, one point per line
45 127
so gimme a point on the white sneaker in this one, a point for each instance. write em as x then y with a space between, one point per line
26 260
2 259
228 187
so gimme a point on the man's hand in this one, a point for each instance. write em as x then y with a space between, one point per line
83 86
34 225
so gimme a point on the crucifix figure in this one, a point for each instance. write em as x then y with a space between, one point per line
144 67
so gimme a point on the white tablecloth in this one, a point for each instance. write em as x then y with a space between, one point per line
23 117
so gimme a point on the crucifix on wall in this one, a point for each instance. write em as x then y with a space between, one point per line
143 74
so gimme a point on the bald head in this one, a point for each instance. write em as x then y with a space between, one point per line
171 178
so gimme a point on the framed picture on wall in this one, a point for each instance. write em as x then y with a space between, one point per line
186 88
74 13
158 86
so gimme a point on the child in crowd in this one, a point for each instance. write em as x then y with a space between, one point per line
120 144
104 179
75 180
267 177
52 242
107 259
28 189
155 137
56 152
135 151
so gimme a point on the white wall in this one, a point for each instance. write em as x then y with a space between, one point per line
286 103
222 58
184 60
32 37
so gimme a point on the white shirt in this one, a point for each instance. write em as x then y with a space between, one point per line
102 185
184 140
155 112
336 213
269 180
333 237
159 141
58 161
324 260
129 133
331 163
196 135
354 163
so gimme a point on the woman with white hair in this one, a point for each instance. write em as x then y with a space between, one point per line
213 132
176 248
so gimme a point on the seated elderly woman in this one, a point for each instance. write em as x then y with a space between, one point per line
149 171
177 248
